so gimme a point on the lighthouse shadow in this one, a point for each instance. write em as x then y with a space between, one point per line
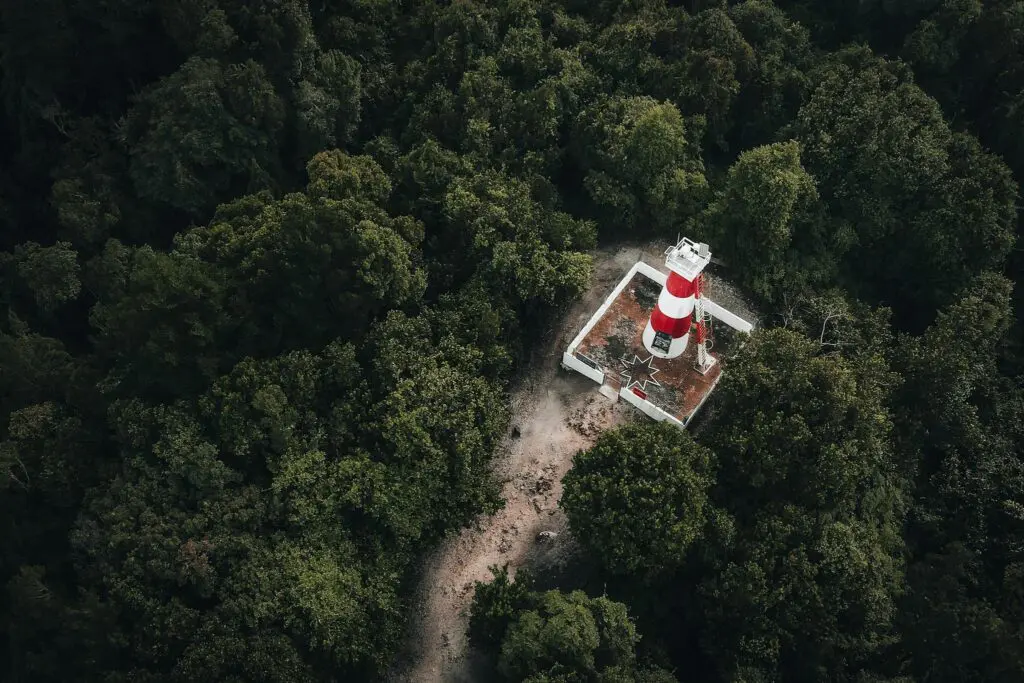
646 294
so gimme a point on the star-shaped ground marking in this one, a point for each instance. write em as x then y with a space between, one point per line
639 373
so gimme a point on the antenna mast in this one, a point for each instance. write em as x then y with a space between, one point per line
702 320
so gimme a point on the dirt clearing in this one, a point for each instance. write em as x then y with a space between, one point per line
554 415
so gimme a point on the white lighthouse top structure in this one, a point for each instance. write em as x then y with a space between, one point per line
688 258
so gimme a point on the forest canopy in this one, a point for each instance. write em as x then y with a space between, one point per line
268 270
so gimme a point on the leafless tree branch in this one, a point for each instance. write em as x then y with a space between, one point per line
54 113
15 479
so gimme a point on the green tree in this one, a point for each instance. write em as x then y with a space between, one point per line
86 208
438 422
36 369
313 266
641 170
767 200
65 624
562 631
794 425
774 87
572 637
708 68
961 422
556 636
204 134
956 623
355 478
513 242
888 165
934 46
805 585
496 605
49 273
621 48
801 596
654 472
338 176
42 453
327 103
161 330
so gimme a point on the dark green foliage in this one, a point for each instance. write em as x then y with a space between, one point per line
797 426
784 561
327 103
352 487
530 250
928 208
204 134
495 605
311 267
554 636
50 274
802 596
641 170
266 269
961 609
656 473
776 83
763 218
162 326
714 60
813 486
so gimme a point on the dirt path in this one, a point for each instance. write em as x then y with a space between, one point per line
556 415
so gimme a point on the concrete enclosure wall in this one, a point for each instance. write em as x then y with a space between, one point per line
573 363
605 306
727 317
649 271
649 409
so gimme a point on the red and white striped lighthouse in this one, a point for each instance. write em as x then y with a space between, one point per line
668 330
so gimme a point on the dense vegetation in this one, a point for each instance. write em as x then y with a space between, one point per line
266 269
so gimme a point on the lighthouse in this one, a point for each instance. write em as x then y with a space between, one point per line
668 329
636 344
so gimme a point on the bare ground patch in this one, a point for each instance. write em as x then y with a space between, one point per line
555 415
